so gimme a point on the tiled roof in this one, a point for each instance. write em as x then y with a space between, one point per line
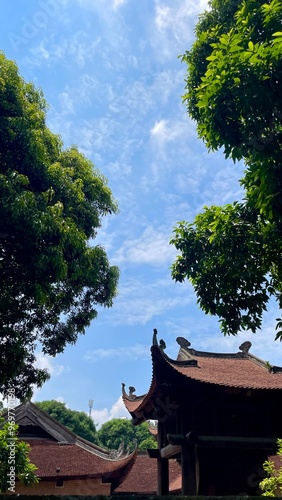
132 403
239 370
71 460
142 478
230 371
176 485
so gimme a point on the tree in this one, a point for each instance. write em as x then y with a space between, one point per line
76 421
120 430
232 254
14 460
51 204
272 485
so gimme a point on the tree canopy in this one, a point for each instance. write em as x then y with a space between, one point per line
76 421
52 201
232 254
111 434
120 430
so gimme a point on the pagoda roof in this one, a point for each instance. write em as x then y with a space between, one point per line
241 370
142 478
58 452
54 460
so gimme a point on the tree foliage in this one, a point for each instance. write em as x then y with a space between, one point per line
272 485
120 430
76 421
51 204
232 254
14 460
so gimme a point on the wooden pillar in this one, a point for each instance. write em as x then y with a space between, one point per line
189 469
163 474
163 477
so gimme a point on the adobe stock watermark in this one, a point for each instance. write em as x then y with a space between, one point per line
33 25
11 419
253 482
164 409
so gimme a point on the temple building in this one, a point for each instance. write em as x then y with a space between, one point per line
66 463
219 416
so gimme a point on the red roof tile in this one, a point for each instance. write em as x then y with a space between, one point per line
71 459
241 370
142 477
176 485
230 372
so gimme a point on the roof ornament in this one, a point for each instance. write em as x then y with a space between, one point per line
131 392
183 342
245 347
120 450
162 345
155 340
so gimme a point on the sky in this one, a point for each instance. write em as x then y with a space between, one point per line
111 74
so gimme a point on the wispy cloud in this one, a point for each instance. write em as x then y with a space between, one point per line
174 25
136 352
118 3
139 301
101 4
77 47
163 132
152 248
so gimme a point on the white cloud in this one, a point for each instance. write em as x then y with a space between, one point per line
139 302
173 28
162 16
118 3
159 129
170 139
101 5
61 399
78 47
152 248
118 410
66 102
163 133
135 352
55 370
46 362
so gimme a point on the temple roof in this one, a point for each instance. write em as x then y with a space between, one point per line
142 478
55 460
58 452
240 370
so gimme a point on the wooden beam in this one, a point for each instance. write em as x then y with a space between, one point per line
235 441
153 452
170 451
176 439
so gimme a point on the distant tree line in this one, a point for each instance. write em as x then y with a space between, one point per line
110 435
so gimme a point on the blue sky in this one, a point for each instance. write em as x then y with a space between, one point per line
110 71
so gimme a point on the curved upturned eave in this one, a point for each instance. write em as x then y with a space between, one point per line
137 404
236 371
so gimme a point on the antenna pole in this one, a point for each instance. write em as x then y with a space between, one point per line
90 404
